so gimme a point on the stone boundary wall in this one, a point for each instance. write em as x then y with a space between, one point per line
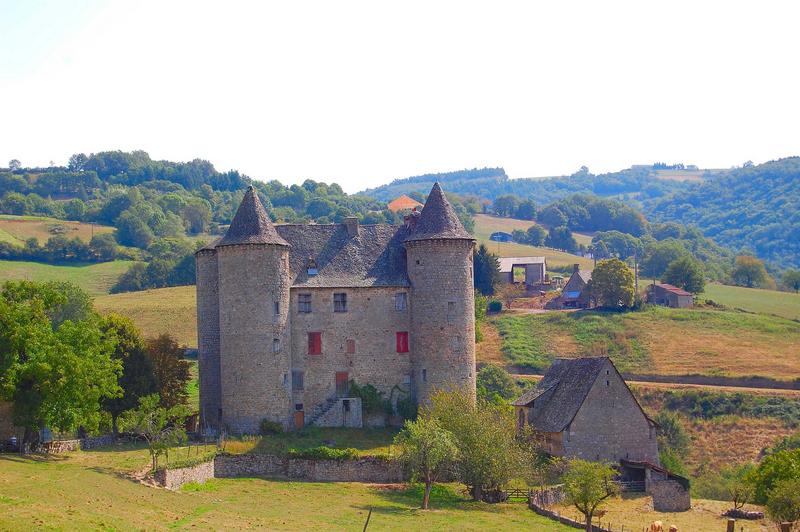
669 496
63 446
563 519
366 469
173 479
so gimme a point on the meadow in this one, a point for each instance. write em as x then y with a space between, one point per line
17 229
93 489
785 304
96 278
656 341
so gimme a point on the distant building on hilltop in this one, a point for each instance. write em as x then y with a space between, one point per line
583 408
404 203
288 315
669 296
574 294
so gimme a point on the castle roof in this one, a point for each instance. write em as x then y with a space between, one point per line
251 224
438 220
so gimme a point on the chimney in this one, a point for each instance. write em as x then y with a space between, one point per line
410 219
576 267
351 222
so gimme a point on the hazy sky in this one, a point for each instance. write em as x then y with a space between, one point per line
361 93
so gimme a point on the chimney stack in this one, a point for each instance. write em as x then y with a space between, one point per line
576 267
351 222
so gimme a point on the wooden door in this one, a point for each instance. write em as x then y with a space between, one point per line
342 388
299 420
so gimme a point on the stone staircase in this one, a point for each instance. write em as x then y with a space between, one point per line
320 410
337 412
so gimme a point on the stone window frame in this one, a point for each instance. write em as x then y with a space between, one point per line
304 303
340 302
276 345
401 301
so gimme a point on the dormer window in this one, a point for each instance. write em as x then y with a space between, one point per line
311 267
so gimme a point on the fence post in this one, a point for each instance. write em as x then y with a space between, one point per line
731 525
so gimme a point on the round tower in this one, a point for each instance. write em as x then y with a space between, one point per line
208 336
439 262
254 341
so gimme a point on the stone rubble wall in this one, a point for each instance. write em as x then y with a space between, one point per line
173 479
669 496
63 446
367 469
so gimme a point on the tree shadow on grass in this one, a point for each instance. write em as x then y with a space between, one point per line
28 458
408 498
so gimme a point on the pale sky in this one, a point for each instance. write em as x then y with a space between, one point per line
364 92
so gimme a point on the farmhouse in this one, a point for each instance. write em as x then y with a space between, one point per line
669 296
583 408
289 315
529 270
403 203
574 293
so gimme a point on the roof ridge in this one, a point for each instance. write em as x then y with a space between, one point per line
438 219
251 224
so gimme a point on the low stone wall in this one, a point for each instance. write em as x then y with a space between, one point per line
669 496
562 519
63 446
367 469
548 497
173 479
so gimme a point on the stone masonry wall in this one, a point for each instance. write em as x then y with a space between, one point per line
63 446
669 496
367 469
609 425
208 336
254 379
371 322
173 479
341 416
442 315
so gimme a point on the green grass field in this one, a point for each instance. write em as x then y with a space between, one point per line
485 225
657 341
163 310
786 304
17 229
90 490
96 279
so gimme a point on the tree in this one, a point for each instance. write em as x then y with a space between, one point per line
428 451
783 465
197 215
508 292
612 284
526 210
739 484
783 501
77 162
671 434
749 271
536 235
170 368
561 238
14 165
791 280
519 236
137 378
506 205
104 246
659 255
486 270
495 385
686 272
132 230
54 377
162 428
587 485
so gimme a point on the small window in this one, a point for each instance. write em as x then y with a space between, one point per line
276 345
424 375
277 308
285 379
304 303
402 342
417 262
315 343
297 380
340 302
451 311
351 347
607 383
298 407
400 301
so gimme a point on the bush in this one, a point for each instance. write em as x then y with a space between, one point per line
267 427
495 306
323 453
372 400
407 408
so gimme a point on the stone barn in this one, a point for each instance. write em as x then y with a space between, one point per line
289 315
532 271
669 296
574 293
583 408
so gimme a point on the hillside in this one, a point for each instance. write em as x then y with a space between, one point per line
96 279
16 230
784 304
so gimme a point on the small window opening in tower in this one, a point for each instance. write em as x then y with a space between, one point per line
277 308
424 375
276 345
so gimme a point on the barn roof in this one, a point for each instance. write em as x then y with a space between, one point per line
507 263
673 289
561 392
438 220
251 224
402 203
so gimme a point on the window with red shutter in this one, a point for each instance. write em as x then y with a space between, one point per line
315 343
402 342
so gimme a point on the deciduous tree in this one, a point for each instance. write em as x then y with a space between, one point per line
612 284
791 280
686 272
170 368
749 271
587 485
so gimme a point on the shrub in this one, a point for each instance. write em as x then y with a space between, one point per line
267 427
495 306
323 453
372 400
407 408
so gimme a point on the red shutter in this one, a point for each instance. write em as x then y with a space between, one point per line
402 342
315 343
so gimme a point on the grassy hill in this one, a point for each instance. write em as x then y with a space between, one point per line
657 341
96 279
171 310
785 304
17 229
485 225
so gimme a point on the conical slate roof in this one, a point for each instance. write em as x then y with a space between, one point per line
251 225
438 220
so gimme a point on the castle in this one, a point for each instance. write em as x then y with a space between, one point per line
288 315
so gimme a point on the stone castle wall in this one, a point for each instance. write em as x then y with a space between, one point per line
371 322
443 315
208 336
254 379
609 425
